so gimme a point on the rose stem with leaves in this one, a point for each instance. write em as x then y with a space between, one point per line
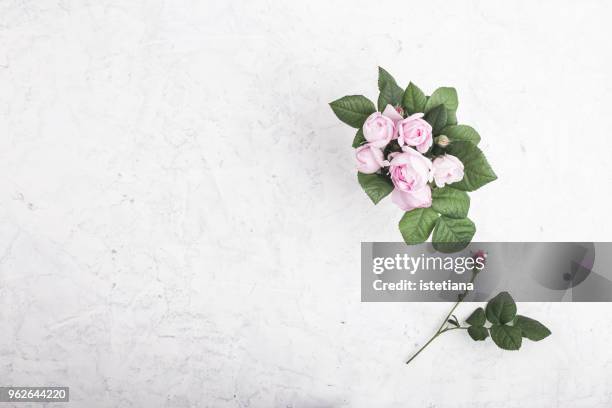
444 326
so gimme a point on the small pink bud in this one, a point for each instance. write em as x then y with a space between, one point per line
442 141
480 257
399 110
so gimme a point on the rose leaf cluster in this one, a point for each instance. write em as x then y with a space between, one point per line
411 147
507 329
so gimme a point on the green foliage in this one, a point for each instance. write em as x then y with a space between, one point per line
450 202
506 337
507 328
452 235
414 99
478 333
477 318
477 171
437 118
531 329
443 96
501 309
376 186
416 225
451 117
353 109
390 92
461 133
446 97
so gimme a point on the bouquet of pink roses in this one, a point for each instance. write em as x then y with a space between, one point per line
413 149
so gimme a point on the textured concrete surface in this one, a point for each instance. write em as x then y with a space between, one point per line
180 222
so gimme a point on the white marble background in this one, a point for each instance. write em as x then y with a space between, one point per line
179 218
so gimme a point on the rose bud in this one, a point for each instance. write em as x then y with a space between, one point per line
442 141
447 169
480 257
369 159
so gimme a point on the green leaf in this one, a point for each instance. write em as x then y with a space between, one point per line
452 235
478 332
531 329
477 172
450 202
359 138
451 117
443 96
353 109
458 133
477 318
506 337
437 118
446 97
501 309
414 99
390 92
384 78
376 186
416 225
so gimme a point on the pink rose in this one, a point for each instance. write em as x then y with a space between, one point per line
410 172
369 159
414 131
393 114
378 129
410 200
447 169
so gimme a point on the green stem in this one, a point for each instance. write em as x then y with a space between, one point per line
432 339
444 326
454 328
423 348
